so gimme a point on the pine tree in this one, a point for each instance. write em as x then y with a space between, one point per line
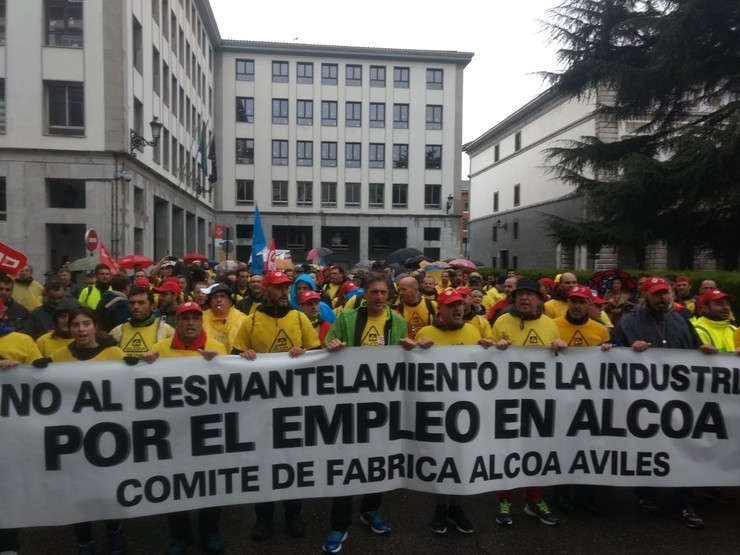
674 65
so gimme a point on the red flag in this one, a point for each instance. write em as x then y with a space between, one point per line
271 262
105 258
11 260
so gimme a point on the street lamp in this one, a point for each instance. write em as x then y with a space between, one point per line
139 142
450 201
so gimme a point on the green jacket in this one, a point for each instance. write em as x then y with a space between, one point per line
350 324
717 333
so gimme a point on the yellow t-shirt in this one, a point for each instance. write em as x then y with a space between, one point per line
48 343
136 340
374 333
555 308
467 335
418 316
109 353
265 334
166 350
526 333
590 334
19 347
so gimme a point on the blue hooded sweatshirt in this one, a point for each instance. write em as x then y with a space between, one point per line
327 314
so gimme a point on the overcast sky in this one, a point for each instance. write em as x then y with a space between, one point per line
505 36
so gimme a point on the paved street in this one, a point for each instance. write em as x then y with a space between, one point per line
622 529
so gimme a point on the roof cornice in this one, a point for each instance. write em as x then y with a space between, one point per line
332 51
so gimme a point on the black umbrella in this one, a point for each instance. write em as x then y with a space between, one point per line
416 260
401 255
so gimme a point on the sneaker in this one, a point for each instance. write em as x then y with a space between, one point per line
177 547
294 525
439 520
262 529
691 519
212 544
542 511
333 541
116 543
376 522
86 548
503 516
648 505
457 518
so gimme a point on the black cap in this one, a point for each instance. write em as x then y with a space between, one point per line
527 284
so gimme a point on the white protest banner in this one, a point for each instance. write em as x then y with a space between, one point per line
91 440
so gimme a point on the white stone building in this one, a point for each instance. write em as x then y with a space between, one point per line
79 79
512 191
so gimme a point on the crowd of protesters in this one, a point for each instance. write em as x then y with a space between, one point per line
191 309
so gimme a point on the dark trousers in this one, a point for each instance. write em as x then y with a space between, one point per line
341 509
207 524
83 530
9 539
683 498
292 507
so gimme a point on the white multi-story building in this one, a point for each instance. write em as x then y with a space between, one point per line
513 191
356 149
81 81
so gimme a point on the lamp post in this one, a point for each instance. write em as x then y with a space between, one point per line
450 202
139 142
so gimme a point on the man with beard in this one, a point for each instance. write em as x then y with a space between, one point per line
503 305
713 325
450 328
654 325
558 304
16 315
190 339
253 298
65 276
276 327
90 296
168 293
373 324
577 329
143 329
525 325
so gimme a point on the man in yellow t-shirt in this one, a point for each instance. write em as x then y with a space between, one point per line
576 328
450 328
372 324
143 329
276 327
189 340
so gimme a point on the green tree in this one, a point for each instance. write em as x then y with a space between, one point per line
675 66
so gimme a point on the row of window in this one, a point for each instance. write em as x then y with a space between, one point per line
330 74
517 197
304 194
304 111
329 149
517 146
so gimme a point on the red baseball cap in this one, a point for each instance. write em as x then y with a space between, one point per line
714 295
463 290
169 286
683 279
275 278
189 306
449 296
595 298
655 284
309 296
347 286
579 291
142 282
